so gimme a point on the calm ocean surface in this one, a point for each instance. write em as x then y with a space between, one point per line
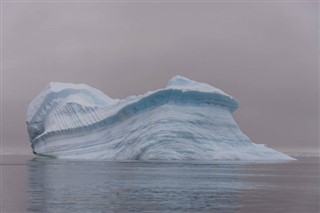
49 185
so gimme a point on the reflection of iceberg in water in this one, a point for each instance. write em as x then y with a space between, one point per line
105 186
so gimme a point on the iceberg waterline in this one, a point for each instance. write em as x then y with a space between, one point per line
186 120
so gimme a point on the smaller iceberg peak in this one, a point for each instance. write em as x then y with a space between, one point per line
57 93
55 87
69 89
58 86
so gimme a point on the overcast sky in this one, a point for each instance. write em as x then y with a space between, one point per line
264 54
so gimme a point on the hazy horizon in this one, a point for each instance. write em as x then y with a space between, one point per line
265 54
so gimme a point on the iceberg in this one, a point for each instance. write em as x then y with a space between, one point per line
186 120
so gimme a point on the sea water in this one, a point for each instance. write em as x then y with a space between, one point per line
47 185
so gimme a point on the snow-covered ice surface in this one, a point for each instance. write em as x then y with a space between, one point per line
186 120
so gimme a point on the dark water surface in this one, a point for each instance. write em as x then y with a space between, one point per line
49 185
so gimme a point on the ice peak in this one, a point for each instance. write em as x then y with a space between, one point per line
183 83
179 80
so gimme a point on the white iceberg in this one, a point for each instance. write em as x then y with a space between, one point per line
186 120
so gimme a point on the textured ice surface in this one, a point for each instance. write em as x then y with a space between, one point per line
185 120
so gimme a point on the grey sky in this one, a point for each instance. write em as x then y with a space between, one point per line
264 54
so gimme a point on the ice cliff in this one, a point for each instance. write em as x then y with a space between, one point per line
185 120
